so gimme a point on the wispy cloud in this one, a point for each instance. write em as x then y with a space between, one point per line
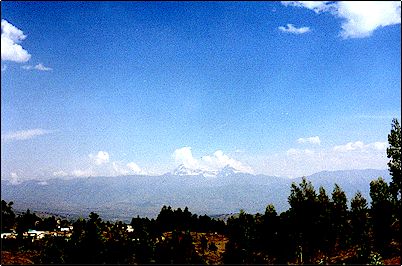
316 6
298 162
296 152
3 68
290 28
359 145
60 173
360 18
25 134
311 140
39 67
82 173
11 37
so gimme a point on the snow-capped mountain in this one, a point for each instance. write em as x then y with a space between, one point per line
228 170
181 170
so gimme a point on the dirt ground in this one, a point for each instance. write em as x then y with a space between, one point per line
9 258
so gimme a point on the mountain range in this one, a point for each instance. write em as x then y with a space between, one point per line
203 192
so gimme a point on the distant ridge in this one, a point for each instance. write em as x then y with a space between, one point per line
226 192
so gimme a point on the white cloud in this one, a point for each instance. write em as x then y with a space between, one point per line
360 18
39 67
101 158
316 6
134 168
208 163
25 134
350 146
119 169
359 145
311 140
82 173
130 168
381 146
99 164
184 156
290 28
11 50
60 173
302 162
15 179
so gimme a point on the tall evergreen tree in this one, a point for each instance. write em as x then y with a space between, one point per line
395 168
381 212
394 153
339 224
304 216
360 226
324 225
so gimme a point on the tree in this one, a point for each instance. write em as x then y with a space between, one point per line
7 216
87 244
269 232
324 225
394 152
304 210
360 226
395 168
339 210
381 212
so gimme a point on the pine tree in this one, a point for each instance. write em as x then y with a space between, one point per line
360 226
381 212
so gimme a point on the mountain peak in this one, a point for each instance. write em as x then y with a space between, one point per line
182 170
228 170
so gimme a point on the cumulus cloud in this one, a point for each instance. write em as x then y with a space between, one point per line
100 158
311 140
360 19
290 28
359 145
184 156
25 134
100 164
39 67
214 162
134 168
11 37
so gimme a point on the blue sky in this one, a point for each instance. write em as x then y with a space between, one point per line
109 88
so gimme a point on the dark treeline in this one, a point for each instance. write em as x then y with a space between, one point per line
319 227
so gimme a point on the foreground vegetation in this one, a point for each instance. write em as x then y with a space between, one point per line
317 228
